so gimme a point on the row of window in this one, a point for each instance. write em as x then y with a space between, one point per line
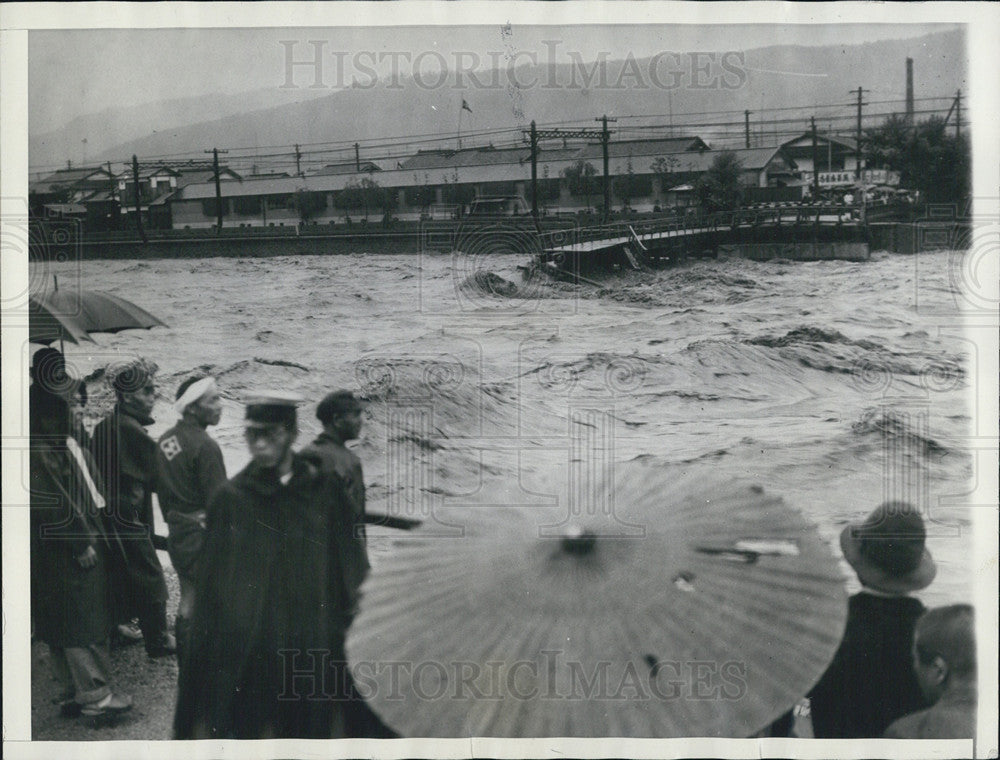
422 196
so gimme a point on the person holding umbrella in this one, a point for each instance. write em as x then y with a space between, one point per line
126 457
190 469
340 414
48 372
265 657
68 554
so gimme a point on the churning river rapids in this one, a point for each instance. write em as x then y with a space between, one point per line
835 384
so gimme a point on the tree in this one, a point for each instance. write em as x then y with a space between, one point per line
663 169
364 195
884 146
624 185
580 179
351 197
456 193
390 201
629 185
371 194
420 195
308 203
719 188
927 158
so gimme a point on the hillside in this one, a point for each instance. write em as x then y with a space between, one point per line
113 126
769 78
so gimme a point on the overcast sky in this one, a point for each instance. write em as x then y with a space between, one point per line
85 71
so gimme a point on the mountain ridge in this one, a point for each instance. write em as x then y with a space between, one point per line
773 77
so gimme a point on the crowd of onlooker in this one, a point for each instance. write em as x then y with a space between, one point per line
96 576
274 558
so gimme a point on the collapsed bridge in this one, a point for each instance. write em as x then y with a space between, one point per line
803 232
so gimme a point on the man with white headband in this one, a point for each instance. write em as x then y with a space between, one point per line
190 468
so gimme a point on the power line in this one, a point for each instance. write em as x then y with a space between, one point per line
390 148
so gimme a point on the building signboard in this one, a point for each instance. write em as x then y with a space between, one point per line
846 177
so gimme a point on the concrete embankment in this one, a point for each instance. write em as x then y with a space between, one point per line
915 237
897 237
251 246
846 251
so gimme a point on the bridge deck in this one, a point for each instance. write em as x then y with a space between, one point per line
609 243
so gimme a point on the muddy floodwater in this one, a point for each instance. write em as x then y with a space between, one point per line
835 384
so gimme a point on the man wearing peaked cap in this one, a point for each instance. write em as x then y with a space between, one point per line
871 681
190 469
271 599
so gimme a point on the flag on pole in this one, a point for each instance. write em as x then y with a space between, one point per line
465 106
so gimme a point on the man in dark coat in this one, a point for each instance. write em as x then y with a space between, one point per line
340 414
265 658
126 457
871 681
68 553
944 657
48 372
190 469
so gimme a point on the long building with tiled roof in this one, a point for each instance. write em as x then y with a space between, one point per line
644 175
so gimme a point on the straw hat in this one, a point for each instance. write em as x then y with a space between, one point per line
887 550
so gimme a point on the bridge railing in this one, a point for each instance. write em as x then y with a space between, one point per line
804 214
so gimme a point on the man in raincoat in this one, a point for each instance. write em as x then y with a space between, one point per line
69 552
265 658
126 458
340 414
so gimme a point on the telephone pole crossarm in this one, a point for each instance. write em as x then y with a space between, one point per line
533 135
548 134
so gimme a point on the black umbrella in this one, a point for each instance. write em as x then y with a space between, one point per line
65 313
680 610
48 322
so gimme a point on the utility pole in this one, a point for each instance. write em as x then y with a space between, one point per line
670 108
298 159
605 139
857 147
534 172
357 157
534 135
746 127
909 91
958 114
138 205
218 186
829 147
115 213
815 160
